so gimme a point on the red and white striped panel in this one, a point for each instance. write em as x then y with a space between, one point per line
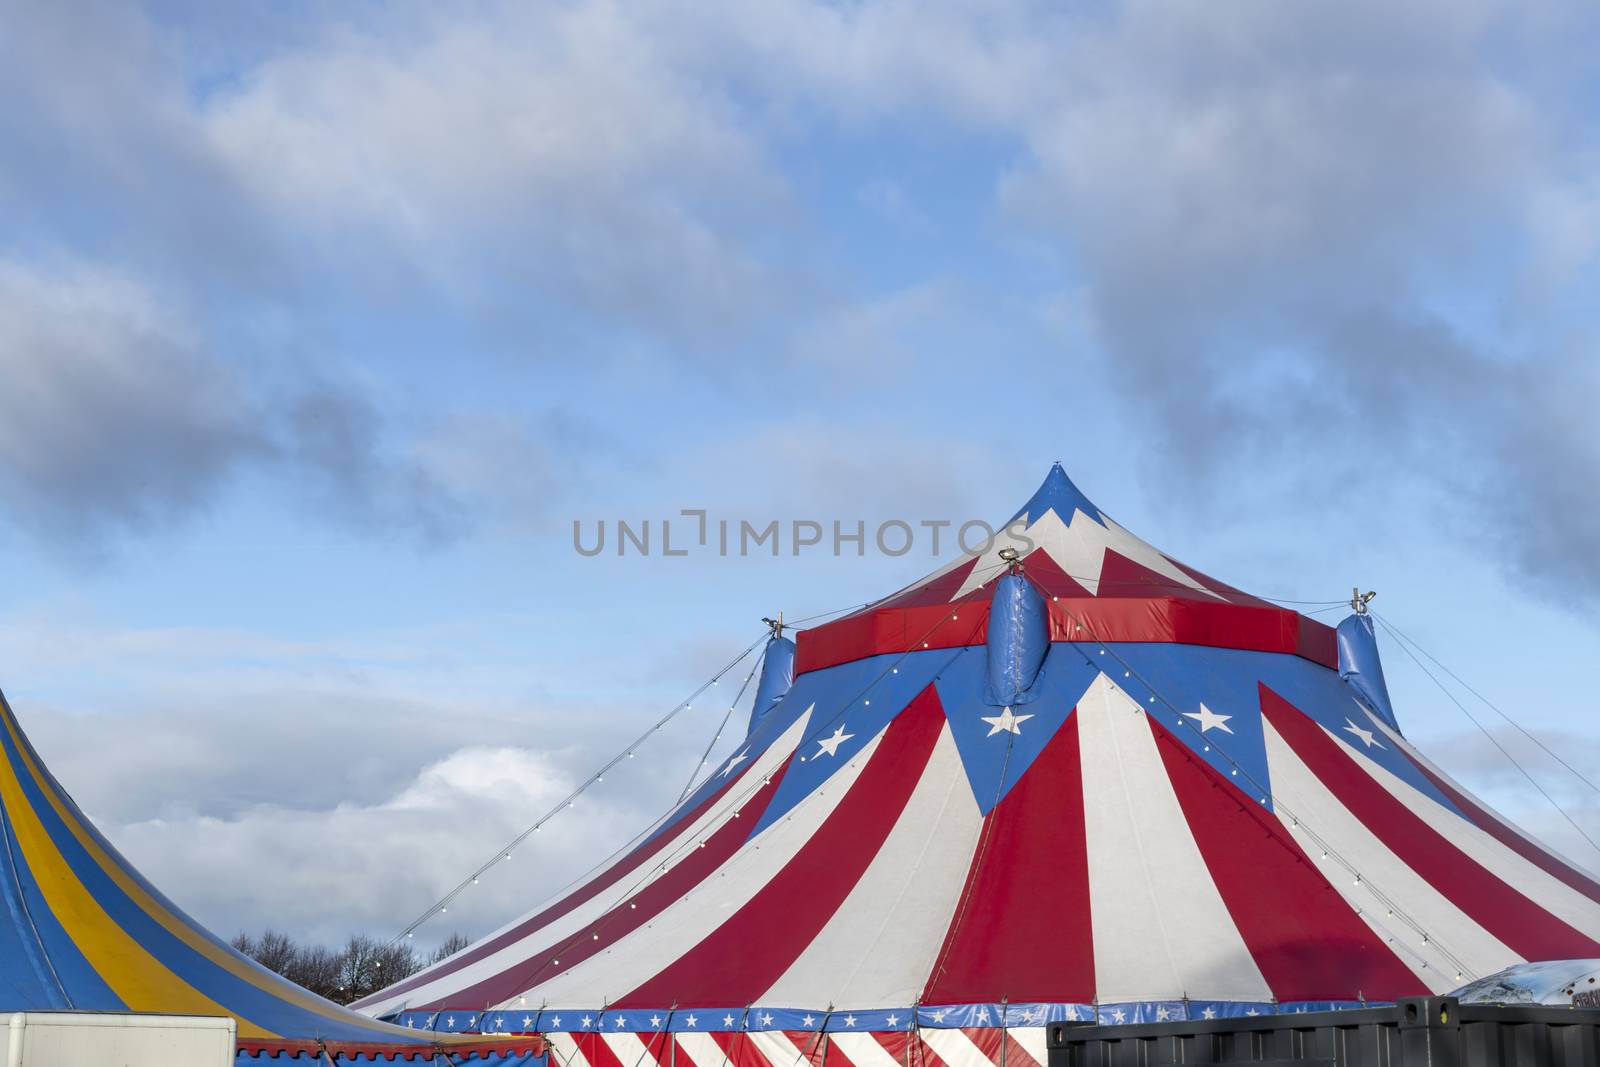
977 1047
1122 867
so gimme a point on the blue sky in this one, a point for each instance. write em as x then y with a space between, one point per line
320 327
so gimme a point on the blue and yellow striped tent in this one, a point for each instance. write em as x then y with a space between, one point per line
83 930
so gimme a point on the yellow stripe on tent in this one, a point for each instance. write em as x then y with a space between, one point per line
280 988
139 980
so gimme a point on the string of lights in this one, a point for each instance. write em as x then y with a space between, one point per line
818 728
1403 639
1492 739
694 773
729 809
504 853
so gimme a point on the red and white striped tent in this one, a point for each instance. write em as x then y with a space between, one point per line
1094 784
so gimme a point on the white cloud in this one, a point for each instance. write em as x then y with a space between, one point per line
336 786
329 871
550 148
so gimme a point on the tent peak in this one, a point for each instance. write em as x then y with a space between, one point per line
1058 493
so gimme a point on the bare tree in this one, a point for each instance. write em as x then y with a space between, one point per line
365 965
317 969
273 950
452 944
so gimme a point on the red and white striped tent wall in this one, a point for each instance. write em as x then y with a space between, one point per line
1108 787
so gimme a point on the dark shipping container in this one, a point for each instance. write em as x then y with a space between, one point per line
1416 1032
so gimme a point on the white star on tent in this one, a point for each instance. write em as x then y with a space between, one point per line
893 1020
692 1021
527 1021
586 1022
830 745
1209 719
655 1020
557 1020
1252 1011
450 1021
766 1020
1209 1013
1119 1015
808 1021
1162 1014
938 1016
849 1020
727 1020
734 762
1005 721
1365 735
410 1024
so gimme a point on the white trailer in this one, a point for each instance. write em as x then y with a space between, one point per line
118 1039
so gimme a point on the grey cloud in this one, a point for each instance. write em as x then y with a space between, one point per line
111 415
1285 222
335 436
118 418
1290 221
425 761
1476 761
372 865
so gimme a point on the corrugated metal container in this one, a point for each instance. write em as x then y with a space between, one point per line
1416 1032
118 1039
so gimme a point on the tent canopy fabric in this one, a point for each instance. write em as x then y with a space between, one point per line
1190 814
82 929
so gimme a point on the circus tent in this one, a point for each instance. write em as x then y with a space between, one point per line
83 930
1065 778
